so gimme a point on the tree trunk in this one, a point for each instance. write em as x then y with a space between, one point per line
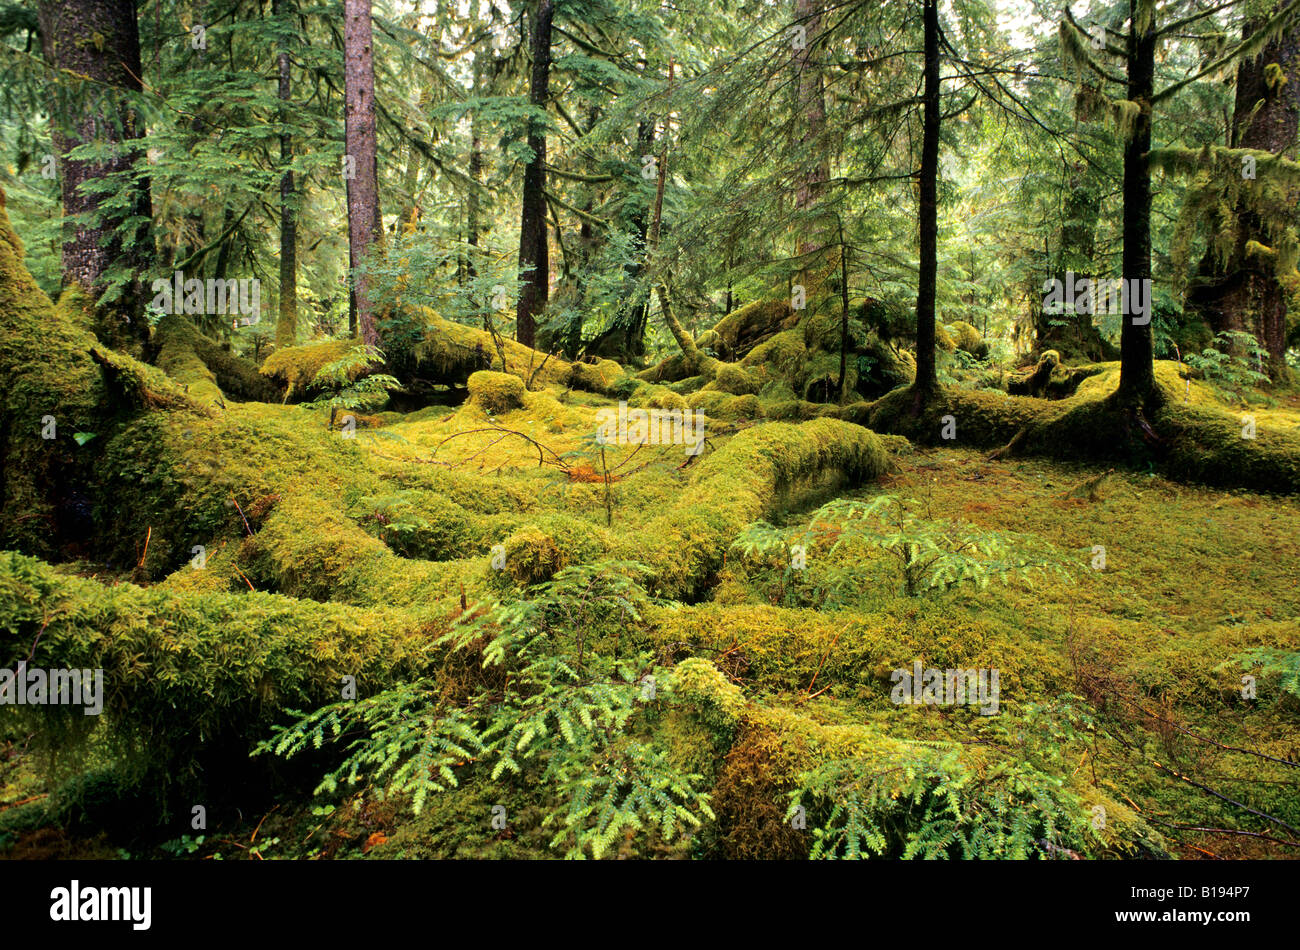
100 40
927 379
1244 293
472 201
1137 366
1075 336
286 328
534 263
361 146
811 113
624 339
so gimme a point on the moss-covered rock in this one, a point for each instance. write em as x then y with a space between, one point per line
496 393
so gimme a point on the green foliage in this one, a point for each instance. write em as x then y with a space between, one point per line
1230 368
557 704
926 554
1267 661
347 383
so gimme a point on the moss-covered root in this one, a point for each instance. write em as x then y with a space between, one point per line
983 419
1203 444
180 669
62 394
206 369
51 390
757 472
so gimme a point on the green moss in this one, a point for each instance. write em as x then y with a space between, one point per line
206 368
968 339
744 328
496 393
720 405
781 649
50 386
183 669
983 419
550 543
733 379
597 378
295 367
943 339
429 525
756 472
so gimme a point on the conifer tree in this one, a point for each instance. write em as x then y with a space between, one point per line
1148 25
107 241
361 160
534 258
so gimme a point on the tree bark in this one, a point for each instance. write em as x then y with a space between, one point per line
100 39
472 201
361 145
1244 293
1137 366
927 379
534 262
286 328
812 117
1075 336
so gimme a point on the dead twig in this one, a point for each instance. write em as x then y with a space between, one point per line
247 526
541 460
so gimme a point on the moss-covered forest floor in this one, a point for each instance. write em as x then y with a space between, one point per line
1121 686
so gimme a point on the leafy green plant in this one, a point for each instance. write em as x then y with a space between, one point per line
559 704
1230 368
1267 661
925 800
349 384
927 554
933 806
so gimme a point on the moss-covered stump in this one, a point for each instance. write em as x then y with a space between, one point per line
1049 379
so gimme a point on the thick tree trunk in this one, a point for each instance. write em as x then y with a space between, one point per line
286 328
811 112
1244 293
99 39
361 146
927 379
534 262
1137 367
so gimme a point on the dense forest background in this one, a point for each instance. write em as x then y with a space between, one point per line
314 319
